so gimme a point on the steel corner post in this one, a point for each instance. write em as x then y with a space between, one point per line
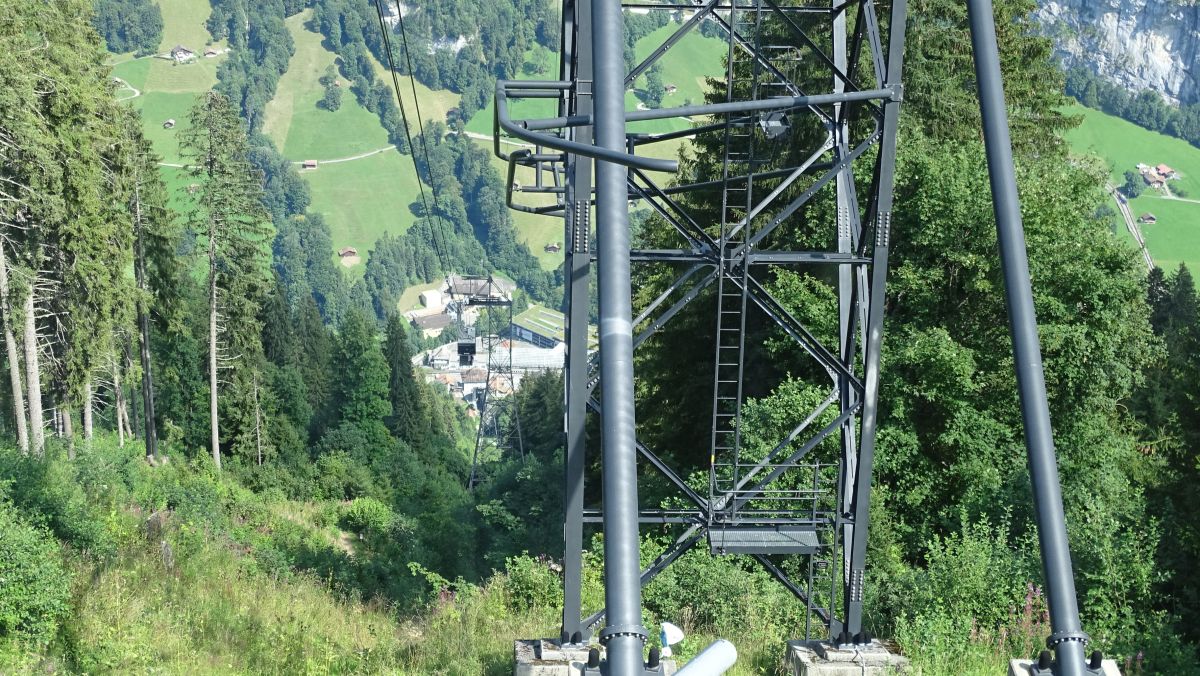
624 634
1068 639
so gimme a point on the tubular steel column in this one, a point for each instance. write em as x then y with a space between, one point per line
577 66
624 633
1068 639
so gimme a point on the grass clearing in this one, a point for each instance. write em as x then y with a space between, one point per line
168 77
1175 238
363 199
1123 145
134 72
157 108
302 129
184 23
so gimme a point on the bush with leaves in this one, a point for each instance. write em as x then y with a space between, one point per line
34 587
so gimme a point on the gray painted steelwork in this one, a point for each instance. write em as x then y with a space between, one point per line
1068 640
808 493
624 634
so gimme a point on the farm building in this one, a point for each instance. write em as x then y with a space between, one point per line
1148 218
210 52
347 251
182 54
309 164
1166 172
553 247
671 89
169 124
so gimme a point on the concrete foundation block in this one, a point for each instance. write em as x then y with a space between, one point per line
1023 668
548 657
820 658
545 657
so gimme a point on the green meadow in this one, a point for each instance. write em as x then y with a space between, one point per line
300 128
1175 238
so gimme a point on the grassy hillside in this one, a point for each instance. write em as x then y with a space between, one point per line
362 199
1175 238
177 569
167 89
300 128
183 23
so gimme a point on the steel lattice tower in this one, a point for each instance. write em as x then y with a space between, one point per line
804 135
787 501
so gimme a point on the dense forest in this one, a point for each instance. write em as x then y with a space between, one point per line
129 25
217 450
1145 109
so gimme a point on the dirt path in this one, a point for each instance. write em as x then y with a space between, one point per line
1173 197
486 137
1132 225
350 158
136 92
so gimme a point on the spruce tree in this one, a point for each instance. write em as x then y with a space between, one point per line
410 419
362 373
230 217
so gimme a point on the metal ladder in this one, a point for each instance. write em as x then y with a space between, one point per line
733 273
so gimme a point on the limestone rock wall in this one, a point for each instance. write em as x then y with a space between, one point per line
1138 44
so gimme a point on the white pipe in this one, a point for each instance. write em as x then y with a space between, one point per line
712 661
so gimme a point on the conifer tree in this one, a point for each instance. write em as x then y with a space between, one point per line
410 419
230 217
362 373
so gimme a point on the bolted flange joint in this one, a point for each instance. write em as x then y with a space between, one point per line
1064 636
623 630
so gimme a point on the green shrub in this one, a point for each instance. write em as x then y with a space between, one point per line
367 516
48 492
531 583
34 586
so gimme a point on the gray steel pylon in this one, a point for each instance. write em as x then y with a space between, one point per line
810 113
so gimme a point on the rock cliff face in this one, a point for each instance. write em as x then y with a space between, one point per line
1139 44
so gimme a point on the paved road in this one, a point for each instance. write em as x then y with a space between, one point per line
1132 225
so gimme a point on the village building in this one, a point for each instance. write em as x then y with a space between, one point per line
541 326
182 54
432 299
432 326
480 288
1148 218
